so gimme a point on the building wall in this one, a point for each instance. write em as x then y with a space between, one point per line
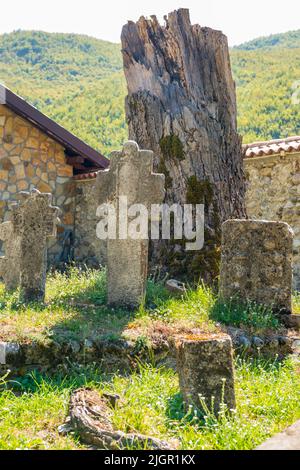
88 248
273 193
30 159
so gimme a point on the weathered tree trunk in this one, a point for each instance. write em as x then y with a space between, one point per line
181 104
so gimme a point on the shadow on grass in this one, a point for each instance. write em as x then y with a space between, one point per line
77 376
76 300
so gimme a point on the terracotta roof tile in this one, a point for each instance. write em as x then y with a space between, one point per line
271 147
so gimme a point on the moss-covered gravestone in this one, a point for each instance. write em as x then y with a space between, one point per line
34 219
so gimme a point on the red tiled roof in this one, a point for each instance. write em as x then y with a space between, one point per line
271 147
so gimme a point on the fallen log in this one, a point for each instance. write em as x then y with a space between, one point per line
90 416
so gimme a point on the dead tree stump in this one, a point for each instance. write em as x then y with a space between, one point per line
205 370
90 415
181 104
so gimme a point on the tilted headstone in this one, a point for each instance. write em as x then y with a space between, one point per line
256 262
130 176
34 219
10 263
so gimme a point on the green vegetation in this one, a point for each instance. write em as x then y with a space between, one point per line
265 80
199 192
289 40
75 309
247 314
78 81
32 407
296 302
171 147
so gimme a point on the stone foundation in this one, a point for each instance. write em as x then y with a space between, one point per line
120 354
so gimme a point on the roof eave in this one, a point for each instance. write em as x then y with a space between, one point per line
54 130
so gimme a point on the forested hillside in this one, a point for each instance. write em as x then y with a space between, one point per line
290 40
78 81
267 74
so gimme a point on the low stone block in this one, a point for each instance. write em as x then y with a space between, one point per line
205 369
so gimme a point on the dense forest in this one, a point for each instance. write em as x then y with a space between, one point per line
78 81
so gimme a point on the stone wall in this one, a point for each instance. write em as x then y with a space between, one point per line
273 193
88 248
28 159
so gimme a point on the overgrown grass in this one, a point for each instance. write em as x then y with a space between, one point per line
248 314
268 399
76 307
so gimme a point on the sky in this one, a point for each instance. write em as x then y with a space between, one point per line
240 20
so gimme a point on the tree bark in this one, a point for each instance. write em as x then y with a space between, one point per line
181 104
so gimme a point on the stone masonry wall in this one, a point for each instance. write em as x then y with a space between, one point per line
273 193
88 248
28 159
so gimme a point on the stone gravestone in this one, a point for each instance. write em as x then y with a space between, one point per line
34 219
10 263
205 369
129 178
256 262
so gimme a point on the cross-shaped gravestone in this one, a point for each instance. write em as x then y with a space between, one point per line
10 263
34 219
130 177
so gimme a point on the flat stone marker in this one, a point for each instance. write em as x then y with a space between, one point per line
289 439
256 262
10 263
129 176
34 219
205 369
